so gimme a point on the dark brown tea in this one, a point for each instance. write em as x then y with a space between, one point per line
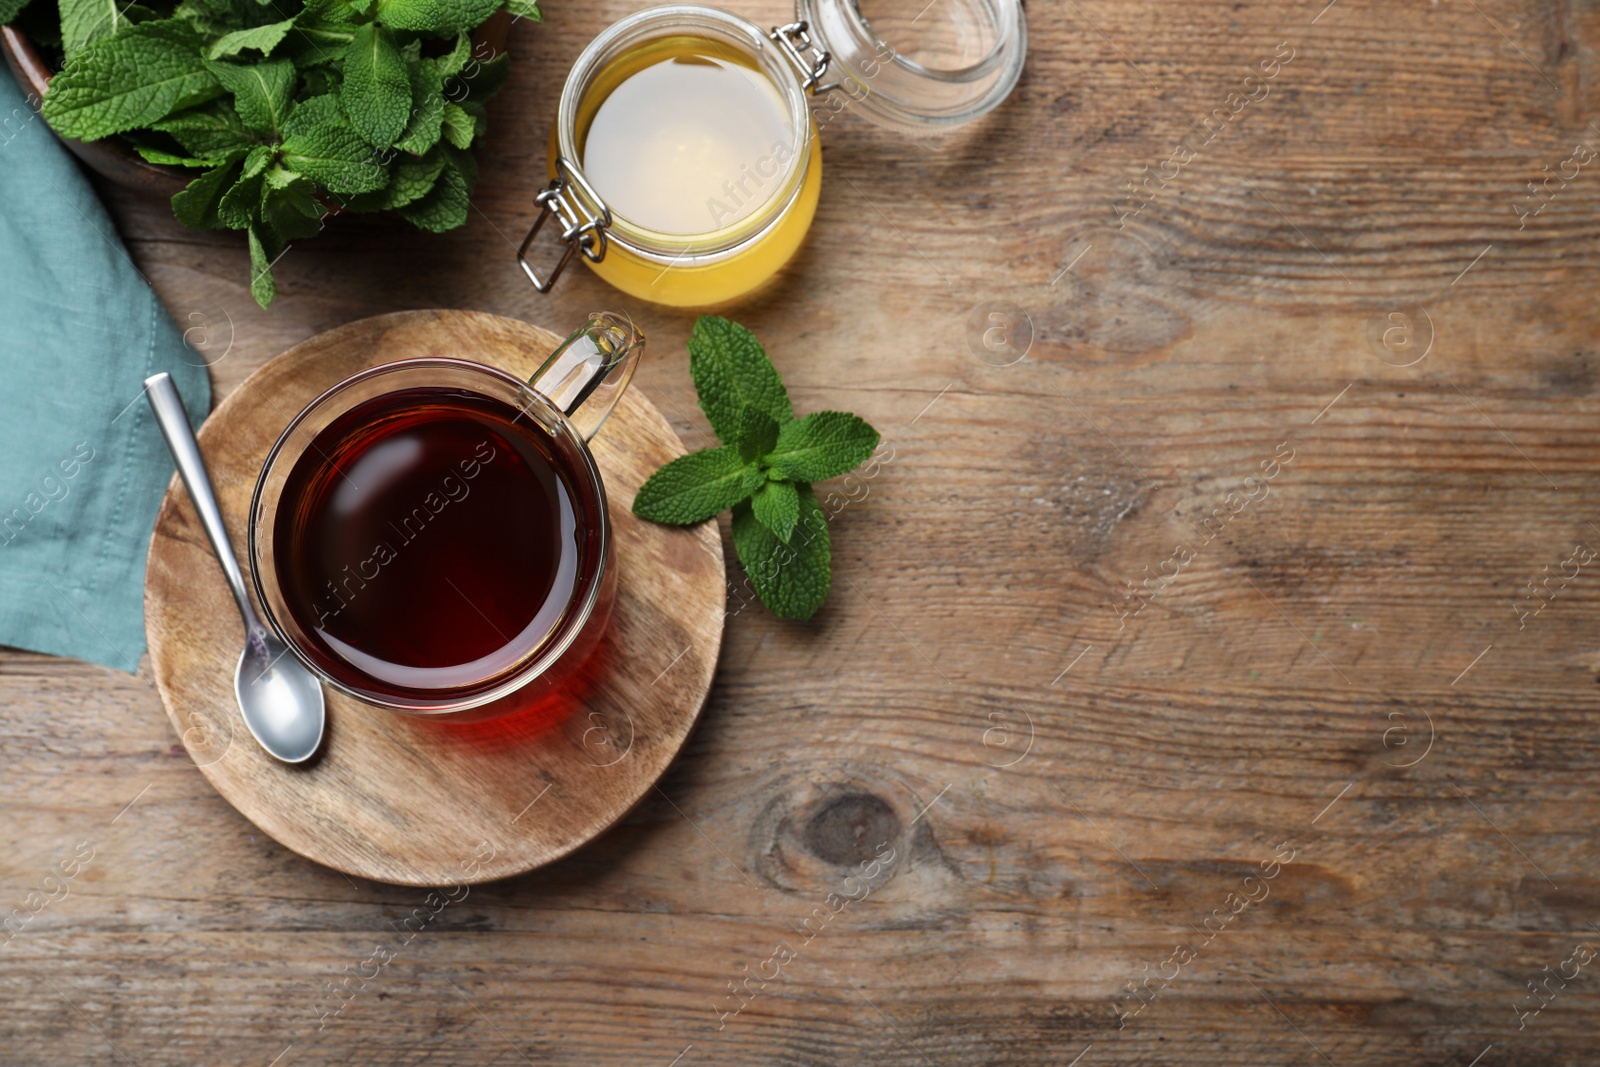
431 540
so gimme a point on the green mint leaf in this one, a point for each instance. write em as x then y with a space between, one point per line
452 61
824 444
435 16
445 206
214 18
257 160
483 79
317 41
288 207
239 206
262 287
196 206
261 38
413 179
129 80
199 17
777 506
260 91
427 111
479 113
377 89
86 21
791 579
525 9
696 487
410 181
10 9
151 154
757 434
211 132
458 126
236 11
319 143
335 11
731 372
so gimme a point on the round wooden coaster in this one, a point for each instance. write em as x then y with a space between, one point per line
408 799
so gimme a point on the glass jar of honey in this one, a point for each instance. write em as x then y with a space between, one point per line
685 165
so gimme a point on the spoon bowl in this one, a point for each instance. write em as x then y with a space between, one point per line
281 701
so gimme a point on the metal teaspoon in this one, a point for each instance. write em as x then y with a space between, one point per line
281 700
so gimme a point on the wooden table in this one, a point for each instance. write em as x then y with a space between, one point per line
1091 814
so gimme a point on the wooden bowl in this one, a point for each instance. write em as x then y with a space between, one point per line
112 158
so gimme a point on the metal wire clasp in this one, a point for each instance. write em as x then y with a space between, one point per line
584 218
791 40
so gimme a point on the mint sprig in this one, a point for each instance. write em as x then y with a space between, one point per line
763 469
288 110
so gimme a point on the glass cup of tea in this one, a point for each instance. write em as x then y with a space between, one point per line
431 535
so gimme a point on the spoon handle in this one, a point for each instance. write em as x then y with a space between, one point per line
174 423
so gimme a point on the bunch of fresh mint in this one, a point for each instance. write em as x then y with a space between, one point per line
289 110
763 469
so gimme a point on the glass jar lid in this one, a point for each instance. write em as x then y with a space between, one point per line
917 66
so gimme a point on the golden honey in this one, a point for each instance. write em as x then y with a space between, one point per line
702 281
691 142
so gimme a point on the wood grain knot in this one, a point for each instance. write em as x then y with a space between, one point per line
820 824
845 831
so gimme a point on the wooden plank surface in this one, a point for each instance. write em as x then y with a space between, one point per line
1338 668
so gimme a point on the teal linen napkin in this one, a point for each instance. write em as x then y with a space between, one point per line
82 465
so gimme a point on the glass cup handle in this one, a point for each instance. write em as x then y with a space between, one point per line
587 373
